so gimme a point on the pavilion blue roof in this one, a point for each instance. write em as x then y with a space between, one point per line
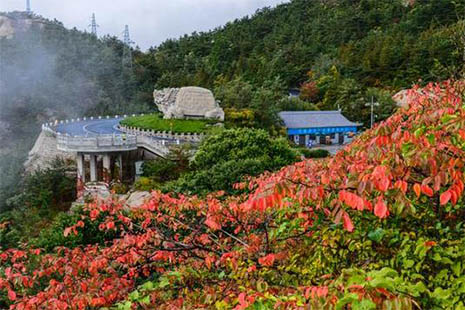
315 119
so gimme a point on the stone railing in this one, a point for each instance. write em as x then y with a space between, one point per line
51 126
129 139
164 135
101 143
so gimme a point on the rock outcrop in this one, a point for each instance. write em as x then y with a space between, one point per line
44 152
11 23
404 97
188 103
6 27
137 199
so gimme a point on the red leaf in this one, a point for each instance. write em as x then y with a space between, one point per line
381 209
67 231
347 222
267 260
445 197
425 189
84 287
209 260
454 197
402 185
11 295
417 189
210 222
383 184
110 225
429 244
462 133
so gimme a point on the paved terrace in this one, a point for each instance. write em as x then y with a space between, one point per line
103 138
104 134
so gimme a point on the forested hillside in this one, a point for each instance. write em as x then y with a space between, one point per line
341 49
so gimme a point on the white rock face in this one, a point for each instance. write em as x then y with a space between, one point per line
188 103
11 23
404 98
44 152
6 27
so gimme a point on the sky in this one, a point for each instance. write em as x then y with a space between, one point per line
150 21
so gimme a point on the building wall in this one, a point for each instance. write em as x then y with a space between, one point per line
302 136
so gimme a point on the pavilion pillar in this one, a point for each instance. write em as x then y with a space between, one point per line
81 173
93 168
107 168
120 167
80 168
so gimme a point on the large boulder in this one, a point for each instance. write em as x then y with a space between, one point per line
137 199
188 103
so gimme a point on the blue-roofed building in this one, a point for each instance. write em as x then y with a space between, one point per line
318 127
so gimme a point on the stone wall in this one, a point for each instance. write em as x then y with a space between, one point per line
181 137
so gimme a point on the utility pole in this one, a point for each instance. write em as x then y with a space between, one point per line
28 6
93 26
372 104
127 52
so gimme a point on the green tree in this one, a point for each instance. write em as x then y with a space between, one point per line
225 158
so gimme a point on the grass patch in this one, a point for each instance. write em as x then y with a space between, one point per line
157 123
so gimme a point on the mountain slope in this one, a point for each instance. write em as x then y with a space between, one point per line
291 39
349 47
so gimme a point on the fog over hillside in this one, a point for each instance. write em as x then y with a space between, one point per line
47 73
151 22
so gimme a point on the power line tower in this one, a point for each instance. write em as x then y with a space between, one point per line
127 52
93 26
28 6
127 37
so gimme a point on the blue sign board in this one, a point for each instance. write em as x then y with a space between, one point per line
320 131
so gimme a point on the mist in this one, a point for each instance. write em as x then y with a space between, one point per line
151 22
49 73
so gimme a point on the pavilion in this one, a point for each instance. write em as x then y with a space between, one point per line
319 127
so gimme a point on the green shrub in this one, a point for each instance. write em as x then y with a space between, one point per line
160 170
53 235
50 188
317 153
44 194
145 184
119 188
225 158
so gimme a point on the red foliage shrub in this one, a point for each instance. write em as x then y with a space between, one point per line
414 154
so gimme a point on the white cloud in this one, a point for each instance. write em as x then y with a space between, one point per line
150 21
